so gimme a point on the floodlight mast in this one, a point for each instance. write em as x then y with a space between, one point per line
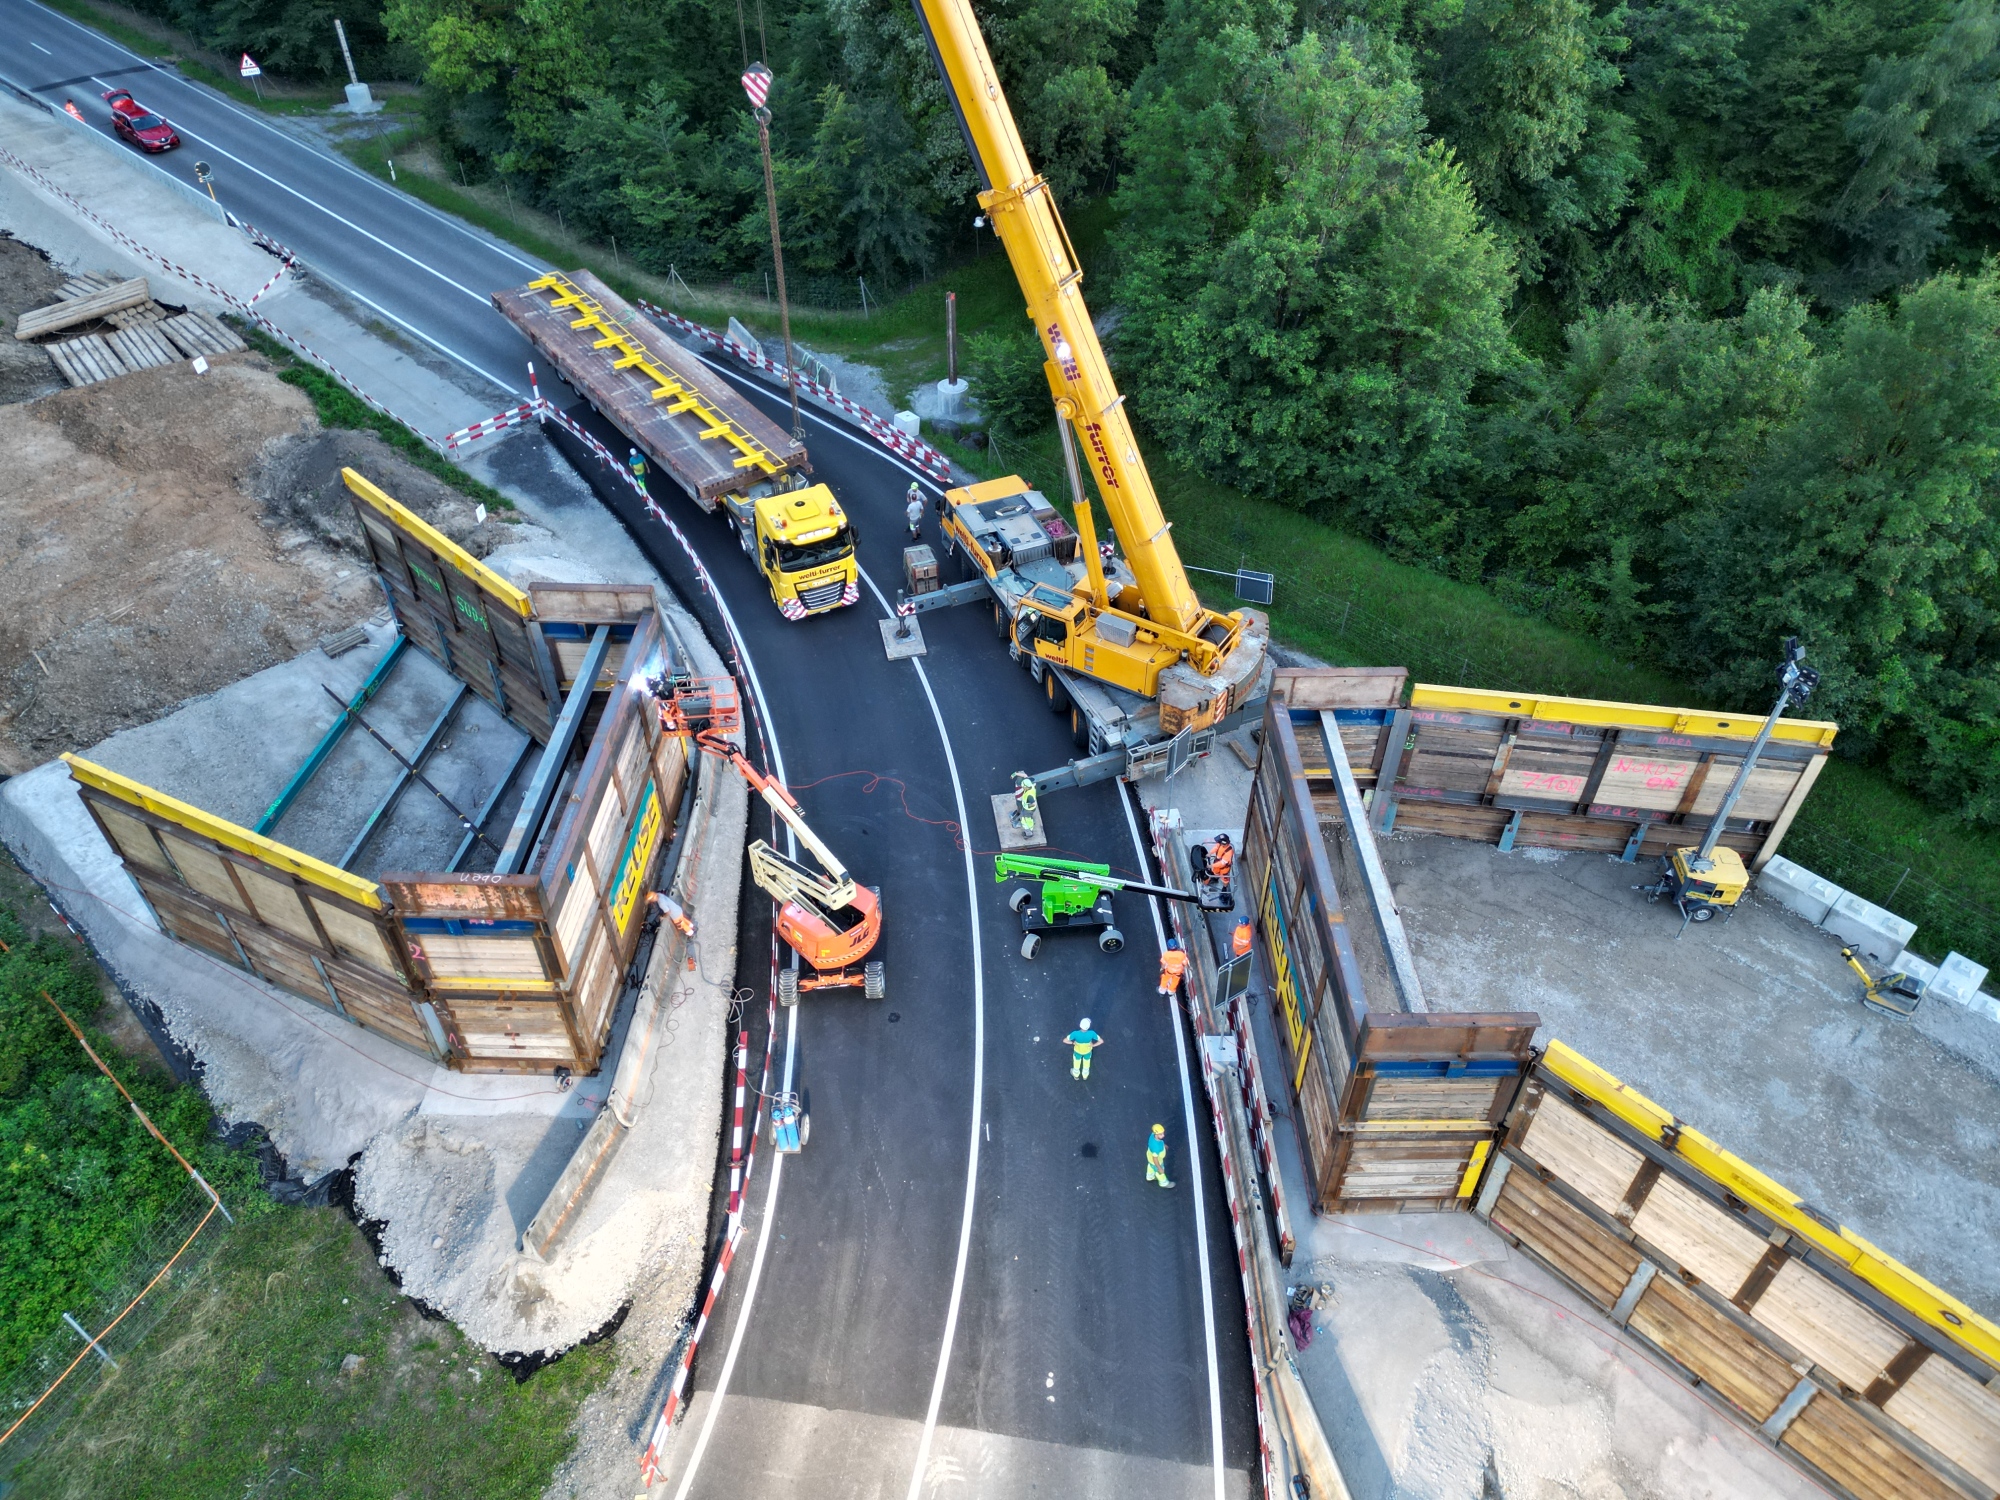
1796 681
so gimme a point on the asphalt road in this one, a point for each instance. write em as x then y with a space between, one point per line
965 1276
423 271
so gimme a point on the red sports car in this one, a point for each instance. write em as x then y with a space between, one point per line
146 131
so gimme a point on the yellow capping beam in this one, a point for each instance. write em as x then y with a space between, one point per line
1891 1278
1686 721
439 543
226 833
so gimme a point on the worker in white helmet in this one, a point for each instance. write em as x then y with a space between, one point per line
1082 1042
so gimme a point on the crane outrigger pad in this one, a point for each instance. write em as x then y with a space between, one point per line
1011 834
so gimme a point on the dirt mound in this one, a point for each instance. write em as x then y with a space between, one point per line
27 280
299 483
147 565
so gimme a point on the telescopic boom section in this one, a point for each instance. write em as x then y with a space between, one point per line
1023 214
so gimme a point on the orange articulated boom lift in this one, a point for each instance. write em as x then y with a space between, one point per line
832 923
1124 645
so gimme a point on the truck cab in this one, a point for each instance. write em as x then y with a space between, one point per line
802 541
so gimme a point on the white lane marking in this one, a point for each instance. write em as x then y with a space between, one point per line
1125 798
41 49
484 241
978 1070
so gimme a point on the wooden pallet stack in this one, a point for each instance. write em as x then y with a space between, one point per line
141 333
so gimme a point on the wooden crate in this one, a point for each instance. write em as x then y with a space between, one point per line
920 570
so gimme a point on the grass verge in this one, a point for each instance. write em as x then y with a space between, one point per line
243 1393
339 407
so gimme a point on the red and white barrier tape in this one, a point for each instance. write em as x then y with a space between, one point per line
276 276
919 452
514 416
194 278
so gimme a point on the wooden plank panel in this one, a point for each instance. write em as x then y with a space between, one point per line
1432 1099
1637 778
1826 1325
498 958
205 871
1699 1236
131 838
1763 795
1586 1254
1955 1414
355 937
1750 1376
278 905
71 311
1853 1453
1583 1154
187 922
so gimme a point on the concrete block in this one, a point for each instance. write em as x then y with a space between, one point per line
1868 929
908 423
1798 889
1958 979
1984 1005
1918 969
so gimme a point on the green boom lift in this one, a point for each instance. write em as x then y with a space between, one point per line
1076 897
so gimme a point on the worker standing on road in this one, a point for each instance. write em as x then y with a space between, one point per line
1156 1156
913 512
1081 1042
1173 964
70 109
1239 940
1026 800
638 463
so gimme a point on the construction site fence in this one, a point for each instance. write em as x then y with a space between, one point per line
1858 1371
1945 920
168 1259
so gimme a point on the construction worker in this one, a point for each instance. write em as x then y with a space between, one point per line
1221 860
1173 964
1156 1156
1239 940
1026 801
913 512
1081 1042
70 109
638 463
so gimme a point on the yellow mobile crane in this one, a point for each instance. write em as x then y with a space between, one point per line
1124 645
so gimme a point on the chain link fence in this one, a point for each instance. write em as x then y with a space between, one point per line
87 1348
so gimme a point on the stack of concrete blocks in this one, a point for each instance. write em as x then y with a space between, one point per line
1878 935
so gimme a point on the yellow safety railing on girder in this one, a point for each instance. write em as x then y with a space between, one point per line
667 386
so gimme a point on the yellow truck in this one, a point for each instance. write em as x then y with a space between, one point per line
803 543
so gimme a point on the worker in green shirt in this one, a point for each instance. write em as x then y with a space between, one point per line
1081 1041
1156 1156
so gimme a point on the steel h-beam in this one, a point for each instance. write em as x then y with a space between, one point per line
1402 966
521 838
332 737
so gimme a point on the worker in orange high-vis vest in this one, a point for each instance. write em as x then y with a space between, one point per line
1173 964
1221 860
1239 940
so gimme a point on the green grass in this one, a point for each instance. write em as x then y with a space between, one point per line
339 407
241 1394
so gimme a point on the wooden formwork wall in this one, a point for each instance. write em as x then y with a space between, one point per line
1394 1111
471 620
1570 773
526 969
301 924
1870 1379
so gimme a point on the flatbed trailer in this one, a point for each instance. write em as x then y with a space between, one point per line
689 421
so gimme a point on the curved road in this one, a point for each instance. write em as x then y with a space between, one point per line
928 1300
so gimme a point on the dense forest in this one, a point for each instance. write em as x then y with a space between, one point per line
1670 320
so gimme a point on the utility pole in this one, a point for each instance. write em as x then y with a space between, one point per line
1795 684
757 84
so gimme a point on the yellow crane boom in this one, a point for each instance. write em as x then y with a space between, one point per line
1023 213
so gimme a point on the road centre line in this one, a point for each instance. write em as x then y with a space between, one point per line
460 227
1125 798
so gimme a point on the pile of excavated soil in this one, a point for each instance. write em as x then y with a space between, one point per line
27 280
168 533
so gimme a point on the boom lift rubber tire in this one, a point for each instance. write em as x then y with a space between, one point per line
1031 945
1020 898
1110 940
1054 691
805 1129
874 980
788 986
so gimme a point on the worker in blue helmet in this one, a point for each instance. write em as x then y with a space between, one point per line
1173 964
